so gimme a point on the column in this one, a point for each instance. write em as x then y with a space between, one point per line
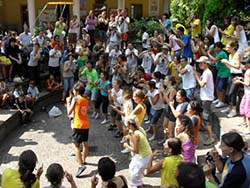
121 4
76 11
32 14
165 6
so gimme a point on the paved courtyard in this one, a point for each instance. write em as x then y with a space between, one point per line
50 139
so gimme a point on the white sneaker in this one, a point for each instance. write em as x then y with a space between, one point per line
152 138
147 122
122 141
93 115
126 150
97 115
104 121
219 105
226 110
233 113
216 101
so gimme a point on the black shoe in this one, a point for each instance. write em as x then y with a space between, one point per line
119 135
112 127
80 170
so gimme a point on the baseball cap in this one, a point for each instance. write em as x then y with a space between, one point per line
203 59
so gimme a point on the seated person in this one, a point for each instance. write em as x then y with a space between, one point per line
5 95
52 84
107 170
32 93
21 106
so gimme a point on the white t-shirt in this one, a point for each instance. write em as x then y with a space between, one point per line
131 58
161 66
147 61
159 104
32 63
127 108
114 56
54 61
188 79
145 40
207 92
118 95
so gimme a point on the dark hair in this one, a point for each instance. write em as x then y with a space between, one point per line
219 45
55 174
157 74
140 68
172 80
181 29
183 93
233 44
183 57
196 107
12 40
210 39
56 36
187 123
211 22
234 140
123 58
152 84
190 175
27 164
106 168
176 145
105 74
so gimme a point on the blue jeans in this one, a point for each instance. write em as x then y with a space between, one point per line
68 84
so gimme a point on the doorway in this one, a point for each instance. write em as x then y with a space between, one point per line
136 11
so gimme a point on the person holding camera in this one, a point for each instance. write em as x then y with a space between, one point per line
234 164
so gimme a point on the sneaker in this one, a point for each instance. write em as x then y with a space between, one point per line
148 129
233 113
152 138
123 141
126 150
226 110
118 134
220 105
216 101
80 170
104 121
93 115
72 153
147 122
97 115
111 127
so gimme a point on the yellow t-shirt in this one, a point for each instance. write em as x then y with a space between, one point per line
229 31
11 179
168 171
196 30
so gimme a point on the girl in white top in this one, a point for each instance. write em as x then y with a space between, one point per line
239 35
126 109
212 30
156 108
235 69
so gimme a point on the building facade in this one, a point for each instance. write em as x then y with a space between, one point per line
14 14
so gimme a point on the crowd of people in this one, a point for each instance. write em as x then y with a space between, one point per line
177 74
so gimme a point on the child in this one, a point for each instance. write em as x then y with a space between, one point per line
125 111
52 84
32 93
5 95
55 174
21 106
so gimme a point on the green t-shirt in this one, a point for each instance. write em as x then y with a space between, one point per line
168 171
92 77
210 185
223 71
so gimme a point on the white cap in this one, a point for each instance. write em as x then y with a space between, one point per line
203 59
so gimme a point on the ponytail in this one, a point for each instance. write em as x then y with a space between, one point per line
28 178
111 184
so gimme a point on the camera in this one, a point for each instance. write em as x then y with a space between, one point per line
209 157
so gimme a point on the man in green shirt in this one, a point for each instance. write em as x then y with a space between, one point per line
92 80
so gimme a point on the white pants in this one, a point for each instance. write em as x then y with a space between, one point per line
136 169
